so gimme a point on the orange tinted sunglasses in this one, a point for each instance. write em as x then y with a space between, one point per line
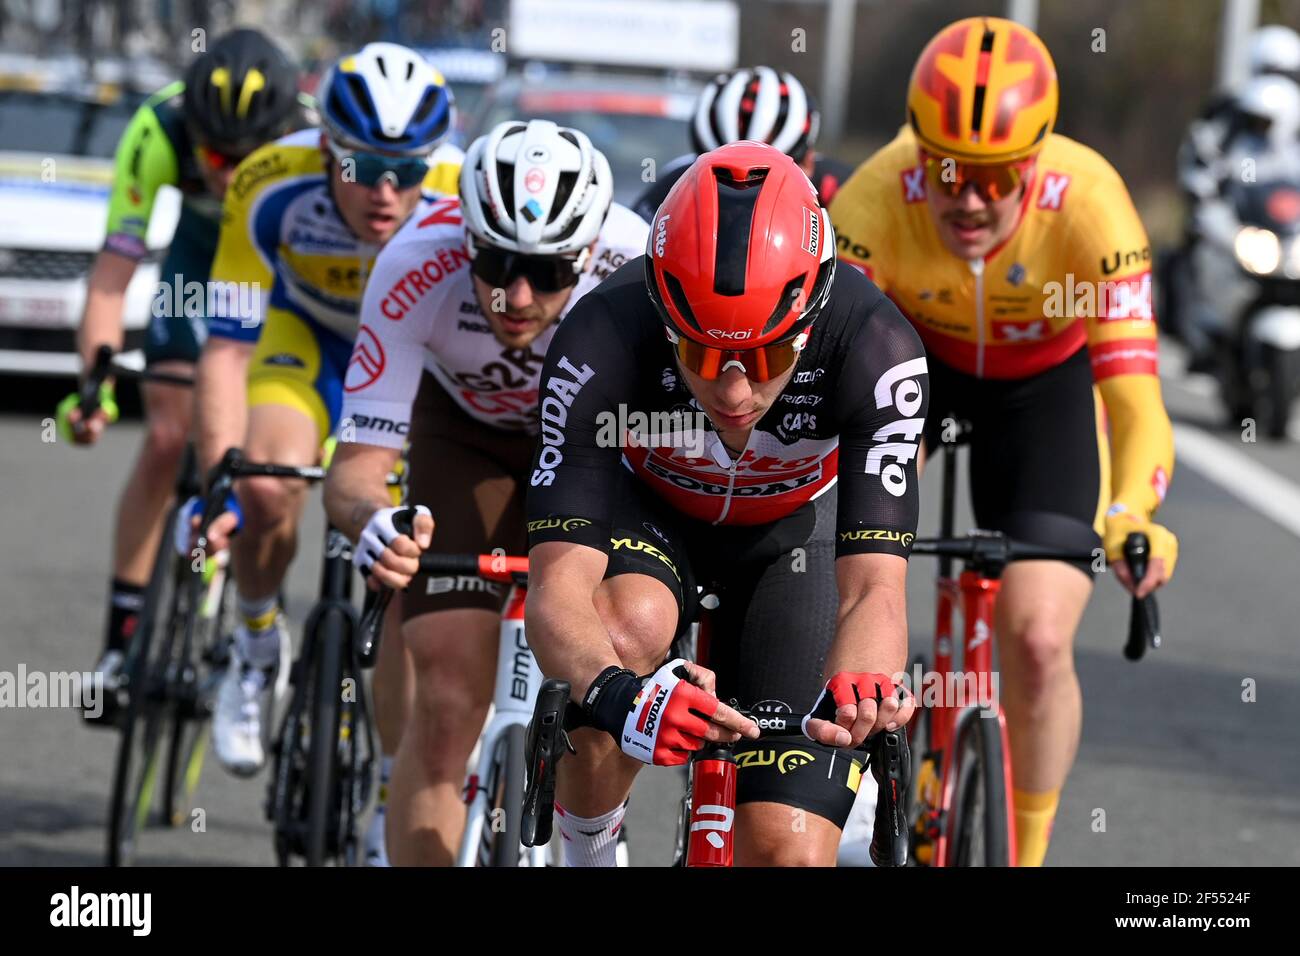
949 177
761 364
216 160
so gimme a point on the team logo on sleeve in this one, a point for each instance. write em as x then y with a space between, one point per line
367 362
898 387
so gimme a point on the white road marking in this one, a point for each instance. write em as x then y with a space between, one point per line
1240 475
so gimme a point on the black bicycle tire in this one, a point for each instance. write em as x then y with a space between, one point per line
188 733
323 751
978 762
508 786
124 816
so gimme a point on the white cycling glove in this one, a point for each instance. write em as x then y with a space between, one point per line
379 533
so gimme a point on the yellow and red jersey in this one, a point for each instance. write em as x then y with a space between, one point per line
1075 272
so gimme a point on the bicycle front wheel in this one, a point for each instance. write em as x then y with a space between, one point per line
139 753
503 827
189 726
322 759
979 832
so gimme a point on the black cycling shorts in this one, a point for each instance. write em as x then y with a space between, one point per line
1036 451
767 639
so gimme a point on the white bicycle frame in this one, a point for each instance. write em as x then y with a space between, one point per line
517 684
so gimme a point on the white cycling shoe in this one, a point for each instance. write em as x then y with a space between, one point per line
855 843
244 702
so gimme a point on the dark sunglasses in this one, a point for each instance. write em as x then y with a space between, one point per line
499 269
368 169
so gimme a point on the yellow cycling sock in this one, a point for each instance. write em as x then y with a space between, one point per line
1034 815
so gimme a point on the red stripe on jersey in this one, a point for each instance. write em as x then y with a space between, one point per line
1123 357
758 497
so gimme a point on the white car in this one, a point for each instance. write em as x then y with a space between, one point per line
56 169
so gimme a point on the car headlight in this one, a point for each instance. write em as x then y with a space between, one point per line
1258 250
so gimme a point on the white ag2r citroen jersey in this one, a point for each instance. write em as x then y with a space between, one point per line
420 312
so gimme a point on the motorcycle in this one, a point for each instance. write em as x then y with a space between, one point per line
1247 270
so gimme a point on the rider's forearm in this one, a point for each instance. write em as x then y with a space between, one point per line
357 486
871 626
1142 441
220 399
101 322
564 629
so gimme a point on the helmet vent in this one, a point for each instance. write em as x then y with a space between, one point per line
736 202
977 107
678 295
506 177
785 302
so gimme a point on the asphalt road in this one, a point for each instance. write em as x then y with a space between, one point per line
1174 768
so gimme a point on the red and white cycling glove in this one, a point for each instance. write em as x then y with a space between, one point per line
845 688
660 719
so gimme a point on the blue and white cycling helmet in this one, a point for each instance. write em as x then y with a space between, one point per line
386 97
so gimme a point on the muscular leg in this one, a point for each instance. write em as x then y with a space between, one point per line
641 616
774 834
393 681
272 506
143 502
1037 613
453 654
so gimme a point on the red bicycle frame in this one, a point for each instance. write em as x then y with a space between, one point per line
976 595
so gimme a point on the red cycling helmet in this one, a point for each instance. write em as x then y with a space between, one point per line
741 253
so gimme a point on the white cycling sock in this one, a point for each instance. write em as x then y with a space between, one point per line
590 841
259 641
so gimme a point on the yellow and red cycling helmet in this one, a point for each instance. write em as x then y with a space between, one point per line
983 91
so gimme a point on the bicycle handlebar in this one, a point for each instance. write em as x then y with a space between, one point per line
554 715
989 552
490 567
104 367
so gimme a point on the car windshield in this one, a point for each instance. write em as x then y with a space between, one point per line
627 139
62 124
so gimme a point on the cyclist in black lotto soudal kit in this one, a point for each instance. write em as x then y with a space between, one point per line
727 411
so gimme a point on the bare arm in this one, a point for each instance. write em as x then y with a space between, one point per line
564 629
101 322
871 628
220 400
357 485
870 638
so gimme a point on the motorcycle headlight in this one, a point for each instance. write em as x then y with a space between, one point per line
1258 250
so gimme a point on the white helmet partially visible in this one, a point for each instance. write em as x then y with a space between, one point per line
1277 100
386 97
759 104
535 188
1274 49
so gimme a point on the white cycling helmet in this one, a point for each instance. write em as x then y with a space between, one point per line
1277 100
1274 49
758 104
386 97
535 188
